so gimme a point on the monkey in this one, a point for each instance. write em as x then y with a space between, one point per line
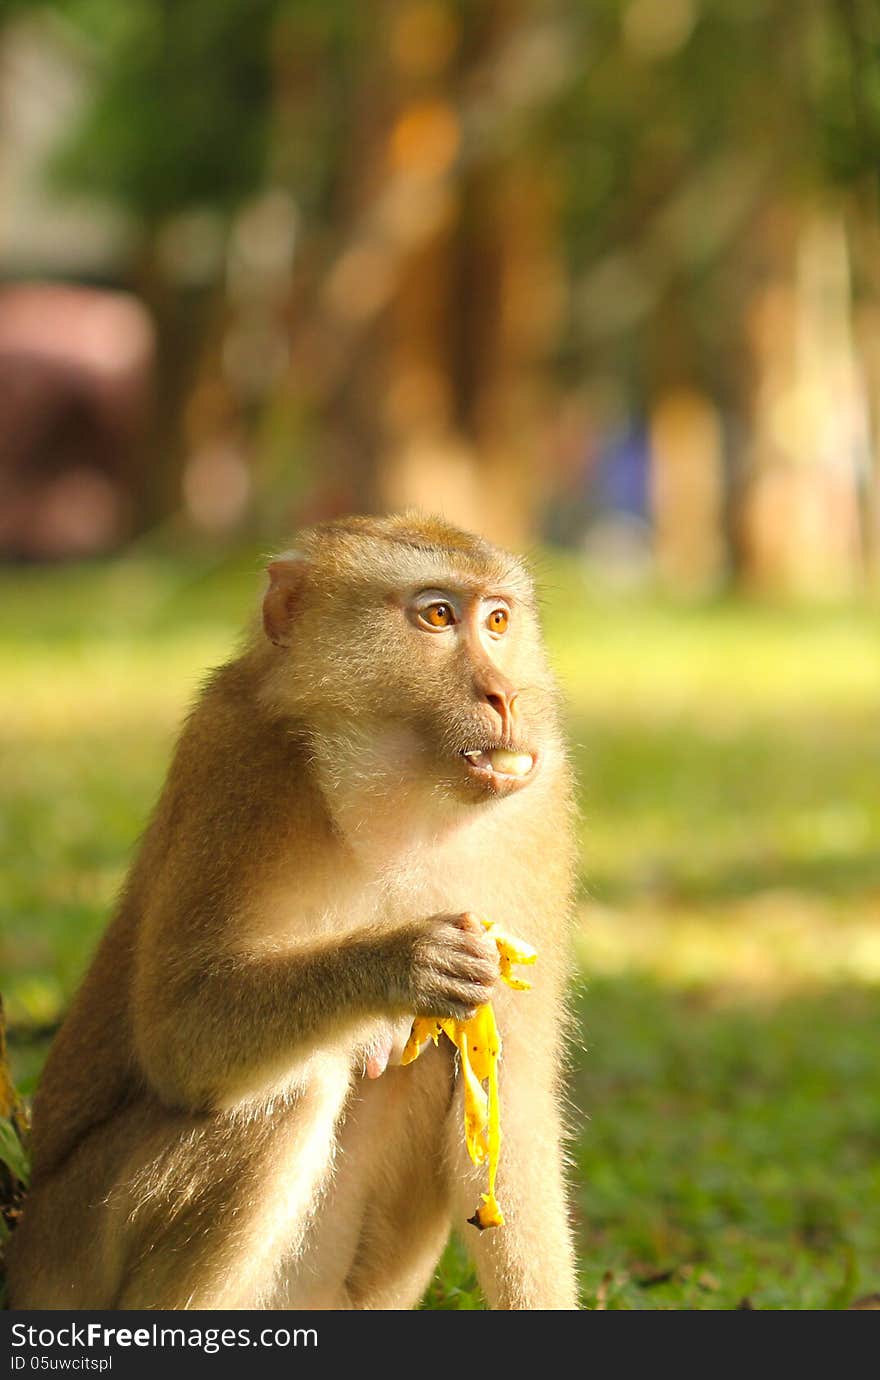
223 1121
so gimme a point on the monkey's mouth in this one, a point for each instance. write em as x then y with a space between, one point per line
500 768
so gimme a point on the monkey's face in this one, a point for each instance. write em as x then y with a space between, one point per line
472 684
418 667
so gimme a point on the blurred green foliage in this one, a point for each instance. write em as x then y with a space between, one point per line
633 105
185 105
180 110
726 1115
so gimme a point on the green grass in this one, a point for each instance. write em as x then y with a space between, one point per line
725 1093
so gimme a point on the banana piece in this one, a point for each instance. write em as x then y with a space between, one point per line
479 1048
424 1028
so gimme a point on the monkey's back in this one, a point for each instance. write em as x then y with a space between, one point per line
93 1070
90 1071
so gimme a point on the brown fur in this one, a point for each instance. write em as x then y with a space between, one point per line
203 1134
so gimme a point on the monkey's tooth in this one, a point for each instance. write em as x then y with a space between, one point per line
511 763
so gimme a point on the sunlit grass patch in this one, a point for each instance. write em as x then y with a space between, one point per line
772 942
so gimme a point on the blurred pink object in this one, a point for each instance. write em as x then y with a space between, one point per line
75 372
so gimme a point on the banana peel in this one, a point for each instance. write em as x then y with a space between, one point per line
479 1048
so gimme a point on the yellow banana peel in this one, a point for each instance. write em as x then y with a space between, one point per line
479 1048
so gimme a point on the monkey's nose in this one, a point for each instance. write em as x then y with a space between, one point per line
503 702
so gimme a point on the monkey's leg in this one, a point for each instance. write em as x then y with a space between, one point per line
408 1213
178 1211
217 1216
47 1267
75 1237
385 1218
314 1277
529 1262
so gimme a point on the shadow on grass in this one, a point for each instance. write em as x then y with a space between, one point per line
728 1155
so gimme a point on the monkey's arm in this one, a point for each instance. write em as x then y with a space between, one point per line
211 1026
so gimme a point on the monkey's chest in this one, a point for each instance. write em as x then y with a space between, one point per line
478 872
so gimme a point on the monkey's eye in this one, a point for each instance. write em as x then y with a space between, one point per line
498 620
437 616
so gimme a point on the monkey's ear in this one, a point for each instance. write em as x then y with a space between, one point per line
281 598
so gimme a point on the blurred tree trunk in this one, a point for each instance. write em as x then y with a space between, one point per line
443 301
467 336
182 320
864 240
801 507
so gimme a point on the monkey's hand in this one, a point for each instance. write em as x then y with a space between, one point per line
451 967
